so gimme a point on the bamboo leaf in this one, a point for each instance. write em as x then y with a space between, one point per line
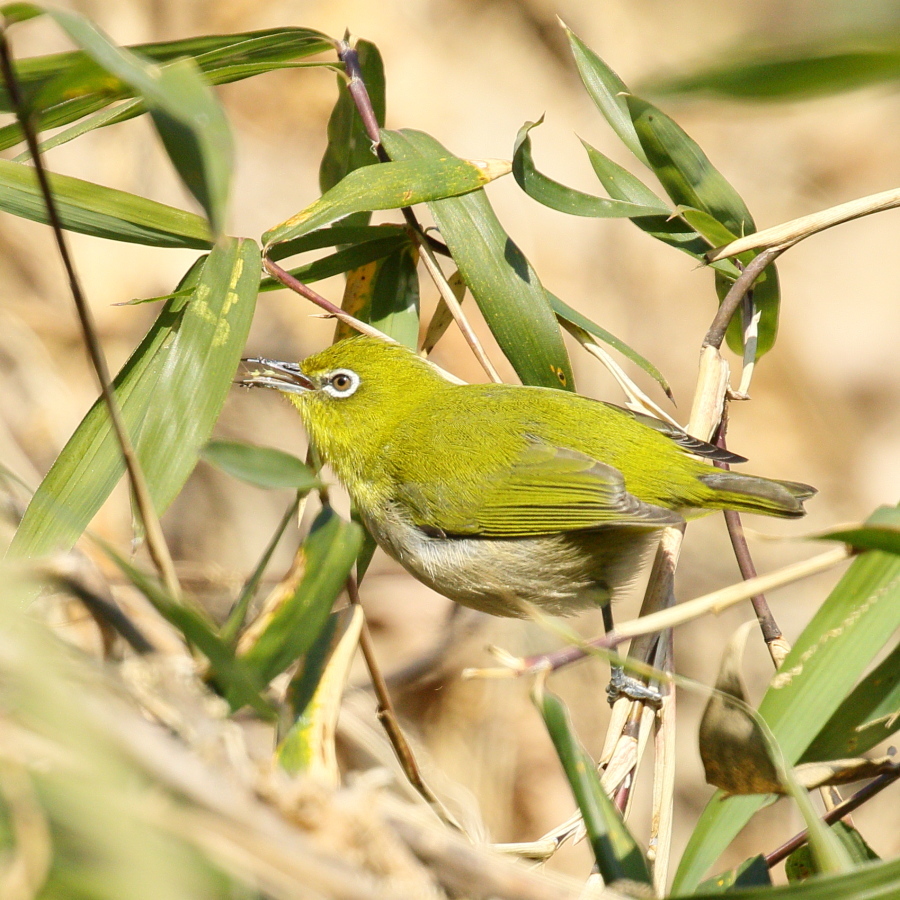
881 531
565 313
505 286
353 257
608 92
171 391
100 211
866 718
389 186
329 554
799 72
858 618
615 851
315 695
670 229
264 467
63 87
394 307
190 122
565 199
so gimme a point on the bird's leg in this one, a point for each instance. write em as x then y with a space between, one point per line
622 685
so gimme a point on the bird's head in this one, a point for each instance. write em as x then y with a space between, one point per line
351 395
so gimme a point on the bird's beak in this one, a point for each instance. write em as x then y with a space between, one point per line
282 376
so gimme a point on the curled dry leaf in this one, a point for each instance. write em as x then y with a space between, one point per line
735 751
732 746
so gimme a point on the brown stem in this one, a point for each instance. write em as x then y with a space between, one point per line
156 543
769 627
833 815
387 715
736 294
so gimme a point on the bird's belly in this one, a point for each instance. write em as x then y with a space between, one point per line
561 573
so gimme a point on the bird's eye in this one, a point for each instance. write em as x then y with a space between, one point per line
341 383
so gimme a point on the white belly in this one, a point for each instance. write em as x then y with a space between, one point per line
562 573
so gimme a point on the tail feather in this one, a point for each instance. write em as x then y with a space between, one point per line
750 493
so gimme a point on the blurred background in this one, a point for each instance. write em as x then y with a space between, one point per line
825 405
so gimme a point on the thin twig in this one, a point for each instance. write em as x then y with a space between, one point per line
772 634
687 611
736 293
453 305
789 233
156 543
387 715
833 815
298 287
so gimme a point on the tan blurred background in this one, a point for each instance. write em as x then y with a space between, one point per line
825 403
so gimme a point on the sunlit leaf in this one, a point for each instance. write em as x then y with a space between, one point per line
881 531
171 391
100 211
190 122
315 695
608 92
858 618
389 186
565 199
505 286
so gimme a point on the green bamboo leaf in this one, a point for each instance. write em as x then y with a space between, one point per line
607 91
329 552
692 181
801 864
349 146
670 229
18 12
389 186
565 199
232 676
750 873
502 281
616 852
334 236
394 307
858 618
566 314
171 391
881 531
100 211
345 260
263 467
800 72
71 85
684 170
867 717
875 881
189 120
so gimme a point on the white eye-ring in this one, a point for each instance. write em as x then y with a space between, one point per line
341 383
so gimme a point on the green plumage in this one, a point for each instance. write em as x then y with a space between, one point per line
456 479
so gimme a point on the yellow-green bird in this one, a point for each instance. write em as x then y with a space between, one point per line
498 495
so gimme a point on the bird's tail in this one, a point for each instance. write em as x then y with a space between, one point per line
750 493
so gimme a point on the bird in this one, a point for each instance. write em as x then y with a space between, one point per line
503 496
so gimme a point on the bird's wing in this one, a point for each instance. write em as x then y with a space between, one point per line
692 445
549 489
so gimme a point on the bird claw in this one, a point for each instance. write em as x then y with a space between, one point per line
622 685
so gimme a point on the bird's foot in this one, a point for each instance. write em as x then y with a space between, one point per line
622 685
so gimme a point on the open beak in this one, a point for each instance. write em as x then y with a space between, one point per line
282 376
